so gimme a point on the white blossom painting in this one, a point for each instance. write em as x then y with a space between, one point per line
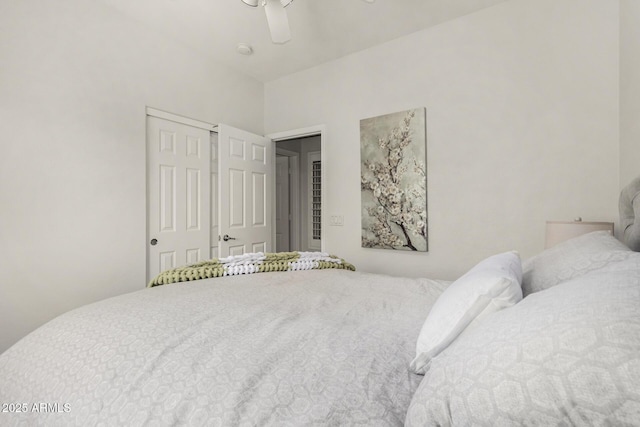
394 181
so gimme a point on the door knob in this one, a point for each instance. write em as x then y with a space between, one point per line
154 242
226 238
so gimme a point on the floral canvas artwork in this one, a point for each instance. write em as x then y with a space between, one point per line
394 181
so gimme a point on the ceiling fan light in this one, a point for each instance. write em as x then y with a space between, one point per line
252 3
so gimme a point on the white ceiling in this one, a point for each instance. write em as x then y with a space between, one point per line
321 30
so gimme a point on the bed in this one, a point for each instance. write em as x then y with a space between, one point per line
553 340
311 347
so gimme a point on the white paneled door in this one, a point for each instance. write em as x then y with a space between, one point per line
246 199
282 204
178 194
215 199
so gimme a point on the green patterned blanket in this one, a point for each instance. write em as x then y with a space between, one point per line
251 263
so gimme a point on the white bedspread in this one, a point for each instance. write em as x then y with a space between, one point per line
326 347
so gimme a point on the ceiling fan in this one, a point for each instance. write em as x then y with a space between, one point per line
276 18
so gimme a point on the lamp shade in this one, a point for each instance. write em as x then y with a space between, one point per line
559 231
255 3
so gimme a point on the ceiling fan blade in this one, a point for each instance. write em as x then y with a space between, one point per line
278 21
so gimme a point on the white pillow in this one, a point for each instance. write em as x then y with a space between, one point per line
566 356
571 259
490 286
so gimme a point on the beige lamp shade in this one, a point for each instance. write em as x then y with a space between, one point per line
559 231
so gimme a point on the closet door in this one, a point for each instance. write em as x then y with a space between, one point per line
178 195
246 174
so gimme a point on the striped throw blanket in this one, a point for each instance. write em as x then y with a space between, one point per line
257 262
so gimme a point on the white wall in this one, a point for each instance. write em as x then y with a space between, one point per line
74 82
629 90
522 127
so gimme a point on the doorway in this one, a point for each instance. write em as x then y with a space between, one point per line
299 193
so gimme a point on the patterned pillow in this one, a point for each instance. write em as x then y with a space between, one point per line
569 355
571 259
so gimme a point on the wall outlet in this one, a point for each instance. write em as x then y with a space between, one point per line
336 220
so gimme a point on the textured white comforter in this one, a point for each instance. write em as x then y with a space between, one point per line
319 347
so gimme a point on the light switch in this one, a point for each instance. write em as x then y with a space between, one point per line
336 220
